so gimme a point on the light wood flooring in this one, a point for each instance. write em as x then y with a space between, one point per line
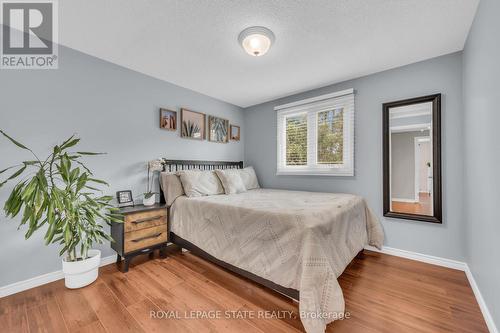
422 207
383 294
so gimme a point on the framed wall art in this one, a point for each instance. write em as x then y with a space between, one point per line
168 120
192 124
218 129
234 132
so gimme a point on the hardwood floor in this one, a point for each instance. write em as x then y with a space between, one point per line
383 294
422 207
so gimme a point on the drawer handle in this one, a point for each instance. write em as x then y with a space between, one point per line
147 237
147 219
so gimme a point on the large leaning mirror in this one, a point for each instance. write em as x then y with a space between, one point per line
412 159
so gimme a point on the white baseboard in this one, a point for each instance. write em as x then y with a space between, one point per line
404 200
449 263
108 260
421 257
480 300
17 287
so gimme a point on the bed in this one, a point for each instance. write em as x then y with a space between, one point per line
297 243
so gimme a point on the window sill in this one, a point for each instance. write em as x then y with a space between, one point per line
329 173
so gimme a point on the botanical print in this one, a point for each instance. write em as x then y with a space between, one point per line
193 124
218 129
235 133
168 119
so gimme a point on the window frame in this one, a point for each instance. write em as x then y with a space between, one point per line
312 106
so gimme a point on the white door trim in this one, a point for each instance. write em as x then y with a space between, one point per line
417 166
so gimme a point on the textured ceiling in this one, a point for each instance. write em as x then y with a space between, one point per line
193 43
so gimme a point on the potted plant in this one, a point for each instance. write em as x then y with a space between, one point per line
150 196
59 192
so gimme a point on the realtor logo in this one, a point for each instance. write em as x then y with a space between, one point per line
29 34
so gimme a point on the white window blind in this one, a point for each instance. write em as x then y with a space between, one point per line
316 136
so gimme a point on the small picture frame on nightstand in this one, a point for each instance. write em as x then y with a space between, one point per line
125 198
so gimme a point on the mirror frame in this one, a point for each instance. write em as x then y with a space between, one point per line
436 156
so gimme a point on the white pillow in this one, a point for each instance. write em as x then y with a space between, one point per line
171 186
231 181
249 178
200 183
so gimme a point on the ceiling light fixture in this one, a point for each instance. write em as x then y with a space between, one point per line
256 41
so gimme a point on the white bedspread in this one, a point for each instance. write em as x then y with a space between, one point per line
300 240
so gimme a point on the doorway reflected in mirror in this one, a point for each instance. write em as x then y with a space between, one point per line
411 153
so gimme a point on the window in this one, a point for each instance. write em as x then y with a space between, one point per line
316 136
296 139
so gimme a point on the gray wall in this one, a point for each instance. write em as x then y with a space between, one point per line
113 110
444 75
403 164
482 152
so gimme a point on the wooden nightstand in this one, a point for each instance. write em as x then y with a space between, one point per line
144 230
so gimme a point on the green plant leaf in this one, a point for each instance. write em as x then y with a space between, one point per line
28 212
98 181
57 239
89 153
83 166
82 180
28 191
32 230
68 140
72 141
73 176
64 168
67 234
63 250
42 181
17 173
20 145
12 167
92 188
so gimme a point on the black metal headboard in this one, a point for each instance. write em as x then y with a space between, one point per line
179 165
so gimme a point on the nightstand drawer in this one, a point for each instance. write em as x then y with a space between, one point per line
142 238
145 220
144 230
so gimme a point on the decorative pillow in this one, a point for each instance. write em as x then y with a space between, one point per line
231 181
200 183
171 186
249 178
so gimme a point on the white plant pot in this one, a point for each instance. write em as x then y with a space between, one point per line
81 273
149 201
